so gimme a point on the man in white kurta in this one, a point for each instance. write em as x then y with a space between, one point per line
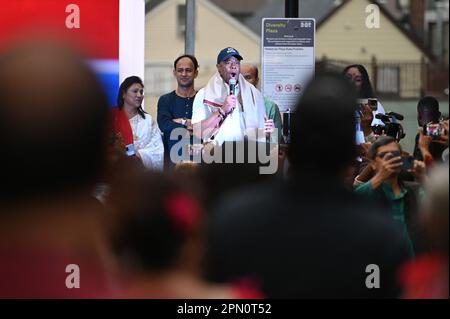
222 114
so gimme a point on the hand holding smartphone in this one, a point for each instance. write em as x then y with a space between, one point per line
407 160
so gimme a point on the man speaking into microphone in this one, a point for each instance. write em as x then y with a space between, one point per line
229 108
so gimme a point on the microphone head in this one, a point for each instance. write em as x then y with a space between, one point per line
232 84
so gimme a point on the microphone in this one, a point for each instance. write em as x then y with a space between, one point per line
396 115
232 84
384 118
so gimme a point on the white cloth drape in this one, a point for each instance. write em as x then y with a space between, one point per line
147 141
246 117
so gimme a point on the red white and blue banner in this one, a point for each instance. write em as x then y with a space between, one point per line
110 33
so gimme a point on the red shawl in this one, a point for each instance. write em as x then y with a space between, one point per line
121 124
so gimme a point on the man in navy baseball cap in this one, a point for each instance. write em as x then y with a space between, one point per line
227 53
218 112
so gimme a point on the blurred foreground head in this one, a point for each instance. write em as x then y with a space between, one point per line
428 110
323 127
53 122
157 217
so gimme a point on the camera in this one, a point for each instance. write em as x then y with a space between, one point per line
433 129
378 129
391 127
393 154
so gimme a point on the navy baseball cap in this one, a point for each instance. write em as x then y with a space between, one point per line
228 52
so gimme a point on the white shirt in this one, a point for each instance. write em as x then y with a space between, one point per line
231 130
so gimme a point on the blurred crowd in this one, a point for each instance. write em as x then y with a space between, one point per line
95 187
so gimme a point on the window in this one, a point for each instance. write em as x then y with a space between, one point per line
388 79
158 79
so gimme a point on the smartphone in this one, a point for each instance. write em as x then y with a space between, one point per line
433 130
373 104
408 163
363 101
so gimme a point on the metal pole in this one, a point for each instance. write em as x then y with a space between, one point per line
439 24
189 45
291 8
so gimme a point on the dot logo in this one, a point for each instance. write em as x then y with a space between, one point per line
373 17
73 279
288 88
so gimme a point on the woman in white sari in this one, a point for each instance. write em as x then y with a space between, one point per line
147 141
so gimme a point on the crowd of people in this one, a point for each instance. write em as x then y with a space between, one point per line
98 189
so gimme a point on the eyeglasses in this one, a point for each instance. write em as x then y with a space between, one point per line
230 63
393 154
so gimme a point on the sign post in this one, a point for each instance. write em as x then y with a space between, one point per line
288 59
